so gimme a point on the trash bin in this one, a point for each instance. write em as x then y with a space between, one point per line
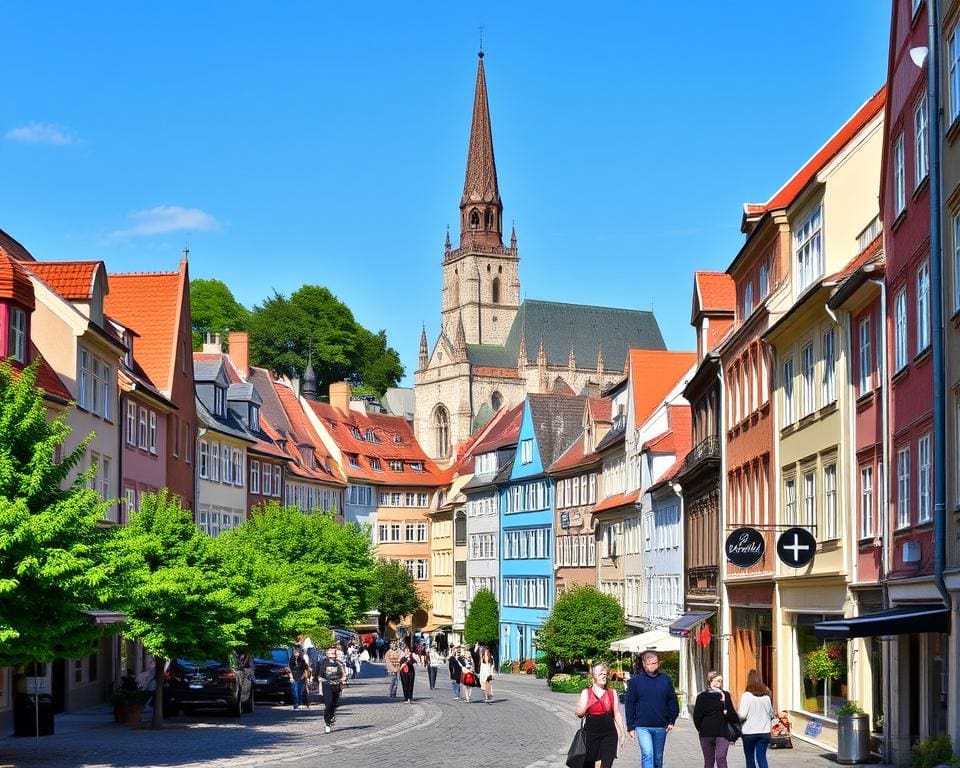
25 720
853 739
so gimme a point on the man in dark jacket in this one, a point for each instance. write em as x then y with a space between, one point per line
651 710
456 669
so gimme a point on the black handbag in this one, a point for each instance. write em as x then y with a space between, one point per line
577 753
734 731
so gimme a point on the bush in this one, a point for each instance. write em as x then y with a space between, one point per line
529 666
932 751
563 683
540 671
506 666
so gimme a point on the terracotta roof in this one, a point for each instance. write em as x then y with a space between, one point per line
500 373
13 249
505 432
302 431
47 378
617 500
653 374
865 257
71 280
716 292
575 456
495 429
667 476
601 409
150 305
15 283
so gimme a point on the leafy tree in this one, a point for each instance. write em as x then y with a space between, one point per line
178 605
396 593
214 310
582 625
482 624
378 366
53 563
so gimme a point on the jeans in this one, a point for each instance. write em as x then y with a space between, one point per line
714 750
393 684
456 688
651 742
432 676
296 692
755 749
331 698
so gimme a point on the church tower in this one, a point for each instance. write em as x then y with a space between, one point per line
481 277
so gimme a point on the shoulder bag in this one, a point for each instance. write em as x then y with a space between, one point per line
577 753
734 729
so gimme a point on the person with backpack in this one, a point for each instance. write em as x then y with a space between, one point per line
299 677
332 674
407 674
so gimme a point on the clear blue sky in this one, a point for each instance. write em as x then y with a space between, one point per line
304 142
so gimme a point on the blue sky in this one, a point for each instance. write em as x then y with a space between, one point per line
302 142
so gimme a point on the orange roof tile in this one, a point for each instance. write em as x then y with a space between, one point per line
47 378
653 374
502 373
505 432
601 408
15 282
716 291
149 304
617 500
13 249
71 280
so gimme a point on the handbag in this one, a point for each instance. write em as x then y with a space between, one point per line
467 678
734 731
577 753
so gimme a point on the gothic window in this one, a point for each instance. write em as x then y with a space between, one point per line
474 219
496 400
496 290
488 219
441 425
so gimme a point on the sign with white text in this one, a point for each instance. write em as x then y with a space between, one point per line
745 547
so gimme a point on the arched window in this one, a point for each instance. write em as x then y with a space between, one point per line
488 219
496 401
441 426
474 219
496 290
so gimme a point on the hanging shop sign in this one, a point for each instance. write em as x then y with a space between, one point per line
744 547
796 547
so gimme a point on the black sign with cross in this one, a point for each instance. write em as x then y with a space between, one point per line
796 547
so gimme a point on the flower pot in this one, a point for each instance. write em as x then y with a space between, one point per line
853 739
128 714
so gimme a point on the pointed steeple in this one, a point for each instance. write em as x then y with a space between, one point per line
513 236
481 209
522 353
447 246
424 355
460 344
308 388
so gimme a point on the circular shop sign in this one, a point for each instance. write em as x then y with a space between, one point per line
796 547
744 547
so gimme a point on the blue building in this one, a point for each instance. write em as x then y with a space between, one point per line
548 426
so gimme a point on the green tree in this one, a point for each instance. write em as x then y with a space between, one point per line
482 624
396 593
378 366
177 603
582 625
53 564
213 309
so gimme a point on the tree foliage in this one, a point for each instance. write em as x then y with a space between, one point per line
482 624
213 309
582 625
53 563
395 593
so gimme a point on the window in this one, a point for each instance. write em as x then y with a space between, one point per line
900 330
237 467
903 488
809 499
254 477
787 392
866 502
819 696
923 480
382 530
153 432
899 182
276 482
410 531
829 387
953 57
267 484
748 300
254 418
526 451
830 502
204 459
808 247
866 361
790 501
921 137
131 495
17 335
396 465
375 464
219 401
806 358
764 281
131 424
354 460
923 307
142 429
956 262
96 385
215 461
441 425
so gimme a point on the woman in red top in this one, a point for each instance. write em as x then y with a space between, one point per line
604 725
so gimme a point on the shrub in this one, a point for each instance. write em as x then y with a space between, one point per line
529 666
932 751
540 671
850 708
506 666
563 683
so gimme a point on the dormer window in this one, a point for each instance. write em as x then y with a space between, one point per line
219 401
416 466
17 336
396 465
355 431
254 418
354 460
307 452
397 440
370 436
128 355
375 464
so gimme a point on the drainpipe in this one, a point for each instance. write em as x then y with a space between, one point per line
724 622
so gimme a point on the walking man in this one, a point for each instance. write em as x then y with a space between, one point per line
651 710
332 674
393 668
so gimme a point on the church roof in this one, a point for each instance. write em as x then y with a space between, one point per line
480 182
557 422
561 325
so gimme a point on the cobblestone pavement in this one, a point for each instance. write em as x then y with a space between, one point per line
527 726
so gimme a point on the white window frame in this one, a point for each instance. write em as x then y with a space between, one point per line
808 249
526 451
865 357
830 518
829 381
953 68
204 468
900 330
924 484
956 261
923 307
790 501
899 177
17 335
903 487
810 498
866 501
254 476
787 383
131 434
921 139
808 364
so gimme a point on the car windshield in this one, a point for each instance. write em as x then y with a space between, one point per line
184 664
277 656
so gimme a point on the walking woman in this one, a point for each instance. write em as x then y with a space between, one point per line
468 678
433 662
486 674
407 674
453 666
712 711
756 712
604 727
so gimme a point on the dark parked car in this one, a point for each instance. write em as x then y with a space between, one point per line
272 676
221 683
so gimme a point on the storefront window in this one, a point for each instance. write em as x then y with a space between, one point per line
823 669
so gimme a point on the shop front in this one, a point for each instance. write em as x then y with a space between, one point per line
751 636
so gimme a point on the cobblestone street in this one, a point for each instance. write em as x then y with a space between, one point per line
527 726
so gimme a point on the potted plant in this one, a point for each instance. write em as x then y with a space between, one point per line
853 733
824 662
128 705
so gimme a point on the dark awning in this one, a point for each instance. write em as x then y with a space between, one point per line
106 617
682 626
905 620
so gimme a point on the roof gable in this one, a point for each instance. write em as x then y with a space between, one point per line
652 375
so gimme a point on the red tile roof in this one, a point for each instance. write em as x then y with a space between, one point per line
71 280
303 432
653 374
150 305
716 291
47 378
13 249
505 432
15 282
617 500
601 409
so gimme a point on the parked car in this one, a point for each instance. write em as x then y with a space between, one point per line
272 676
223 683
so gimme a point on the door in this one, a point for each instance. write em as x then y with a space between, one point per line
58 686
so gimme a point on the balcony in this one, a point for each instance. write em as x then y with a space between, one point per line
705 449
702 581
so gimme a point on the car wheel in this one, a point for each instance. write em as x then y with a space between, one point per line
234 708
249 706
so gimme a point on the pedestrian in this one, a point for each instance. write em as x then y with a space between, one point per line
456 671
756 713
381 646
299 677
712 710
603 728
332 675
486 674
651 709
393 668
468 678
407 674
433 662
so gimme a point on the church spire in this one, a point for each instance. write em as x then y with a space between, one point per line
309 387
424 355
481 210
460 344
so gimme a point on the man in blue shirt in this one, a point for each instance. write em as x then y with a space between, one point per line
651 710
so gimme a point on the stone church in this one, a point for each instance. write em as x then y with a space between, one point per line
494 348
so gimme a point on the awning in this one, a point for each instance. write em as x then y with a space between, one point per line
682 626
905 620
653 640
105 617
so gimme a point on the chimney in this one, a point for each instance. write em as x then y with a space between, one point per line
238 346
340 395
212 344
